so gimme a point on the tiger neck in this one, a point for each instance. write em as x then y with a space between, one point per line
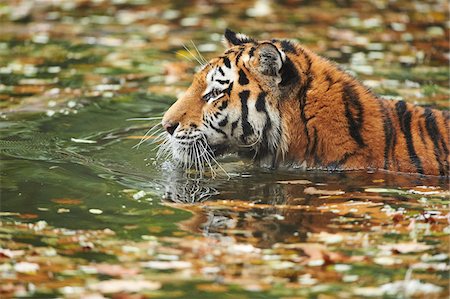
321 113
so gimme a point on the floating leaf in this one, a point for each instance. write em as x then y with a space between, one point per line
405 247
117 285
295 182
27 268
314 191
115 270
67 201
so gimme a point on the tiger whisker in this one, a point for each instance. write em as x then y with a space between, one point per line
150 132
200 160
254 143
193 56
145 118
209 152
188 58
199 54
196 159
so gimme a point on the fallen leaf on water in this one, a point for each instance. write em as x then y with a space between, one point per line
378 181
294 182
386 261
368 292
213 287
318 254
11 253
330 238
27 268
67 201
117 285
155 229
165 265
384 190
409 288
77 140
28 216
314 191
114 270
428 190
95 211
405 247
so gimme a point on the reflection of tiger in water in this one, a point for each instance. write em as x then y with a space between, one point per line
287 104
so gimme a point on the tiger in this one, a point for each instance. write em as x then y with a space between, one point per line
284 105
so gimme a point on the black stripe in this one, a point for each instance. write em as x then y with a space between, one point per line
243 80
404 117
223 81
218 130
229 89
317 159
289 73
388 133
329 80
261 107
251 52
247 129
216 114
223 105
308 59
422 135
354 113
234 126
288 46
261 102
223 122
227 62
221 71
337 165
433 133
238 56
302 96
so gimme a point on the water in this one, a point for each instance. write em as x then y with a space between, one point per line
49 173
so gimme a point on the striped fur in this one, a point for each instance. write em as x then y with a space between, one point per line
282 103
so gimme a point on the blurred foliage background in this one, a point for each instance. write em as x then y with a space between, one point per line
54 52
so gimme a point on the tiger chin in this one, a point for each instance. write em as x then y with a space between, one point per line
285 105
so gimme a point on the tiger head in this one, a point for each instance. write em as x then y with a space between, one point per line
232 105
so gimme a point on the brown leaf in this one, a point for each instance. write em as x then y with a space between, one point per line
405 247
28 216
67 201
295 182
119 285
213 287
115 270
314 191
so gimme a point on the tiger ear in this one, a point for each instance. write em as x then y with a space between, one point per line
268 60
232 38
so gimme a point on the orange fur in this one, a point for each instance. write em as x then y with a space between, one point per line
328 119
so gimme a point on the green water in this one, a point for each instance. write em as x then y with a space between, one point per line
41 164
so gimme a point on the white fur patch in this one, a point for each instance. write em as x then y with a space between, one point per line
214 78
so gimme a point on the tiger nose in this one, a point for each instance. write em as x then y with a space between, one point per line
170 127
